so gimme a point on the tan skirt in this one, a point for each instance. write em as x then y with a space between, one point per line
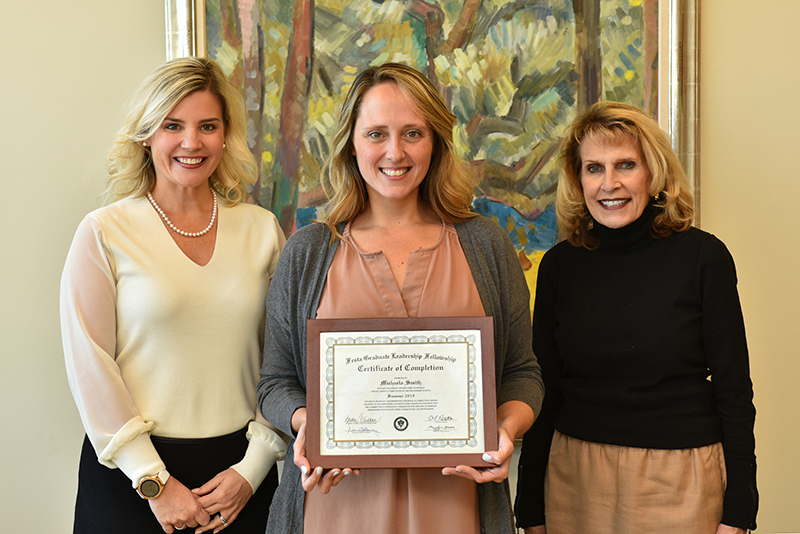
597 488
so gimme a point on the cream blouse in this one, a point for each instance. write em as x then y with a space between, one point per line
155 343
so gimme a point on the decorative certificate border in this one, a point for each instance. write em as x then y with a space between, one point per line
468 344
462 348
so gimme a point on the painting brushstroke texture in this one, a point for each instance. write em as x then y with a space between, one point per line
515 73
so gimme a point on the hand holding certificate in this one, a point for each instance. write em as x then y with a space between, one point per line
400 392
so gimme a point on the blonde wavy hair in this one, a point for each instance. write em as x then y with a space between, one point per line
130 169
446 188
616 122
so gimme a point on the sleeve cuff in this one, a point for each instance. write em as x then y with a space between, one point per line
265 447
136 458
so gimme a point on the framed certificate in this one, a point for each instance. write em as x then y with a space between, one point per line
400 392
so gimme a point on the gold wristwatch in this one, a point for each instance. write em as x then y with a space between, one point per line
151 486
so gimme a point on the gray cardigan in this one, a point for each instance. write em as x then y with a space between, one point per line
293 298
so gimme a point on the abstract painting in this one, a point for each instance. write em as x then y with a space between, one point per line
514 72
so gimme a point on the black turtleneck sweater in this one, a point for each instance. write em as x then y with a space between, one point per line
642 344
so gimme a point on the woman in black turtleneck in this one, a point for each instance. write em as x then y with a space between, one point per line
647 423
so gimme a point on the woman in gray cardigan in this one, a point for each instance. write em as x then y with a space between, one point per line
400 194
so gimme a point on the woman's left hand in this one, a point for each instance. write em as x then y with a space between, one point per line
725 529
223 497
513 419
501 458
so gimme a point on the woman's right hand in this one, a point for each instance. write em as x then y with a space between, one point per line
177 508
535 530
318 476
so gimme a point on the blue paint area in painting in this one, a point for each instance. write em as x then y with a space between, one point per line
305 216
378 46
633 52
625 61
540 234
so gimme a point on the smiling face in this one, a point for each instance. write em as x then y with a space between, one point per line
615 180
187 145
393 144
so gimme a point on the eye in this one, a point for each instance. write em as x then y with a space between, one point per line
208 127
414 134
374 135
627 165
171 126
593 168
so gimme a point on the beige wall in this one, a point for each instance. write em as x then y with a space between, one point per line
750 110
65 69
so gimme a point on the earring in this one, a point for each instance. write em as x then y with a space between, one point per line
144 143
224 145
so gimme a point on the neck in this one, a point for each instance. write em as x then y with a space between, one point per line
393 214
634 235
183 199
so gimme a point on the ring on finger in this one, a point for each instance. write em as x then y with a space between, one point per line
225 523
181 528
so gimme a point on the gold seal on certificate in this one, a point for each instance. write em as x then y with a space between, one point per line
400 392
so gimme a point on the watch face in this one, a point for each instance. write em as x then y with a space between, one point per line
150 488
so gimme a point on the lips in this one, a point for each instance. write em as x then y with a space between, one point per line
190 161
394 172
615 203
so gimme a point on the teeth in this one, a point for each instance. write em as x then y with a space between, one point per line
613 203
398 172
190 161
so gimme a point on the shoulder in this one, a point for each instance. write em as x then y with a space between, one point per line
119 214
698 242
244 209
560 252
251 218
312 234
480 223
307 246
482 231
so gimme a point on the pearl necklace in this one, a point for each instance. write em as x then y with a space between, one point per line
178 230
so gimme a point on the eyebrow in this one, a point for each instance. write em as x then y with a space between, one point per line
201 121
422 126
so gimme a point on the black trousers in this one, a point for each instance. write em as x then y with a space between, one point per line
107 503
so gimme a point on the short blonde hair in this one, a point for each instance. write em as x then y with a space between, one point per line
446 188
617 122
131 171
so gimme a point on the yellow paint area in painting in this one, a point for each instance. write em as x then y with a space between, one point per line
531 273
629 74
634 3
266 156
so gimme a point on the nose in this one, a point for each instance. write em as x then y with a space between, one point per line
191 140
610 181
394 149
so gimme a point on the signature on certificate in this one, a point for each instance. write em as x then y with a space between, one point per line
440 418
362 430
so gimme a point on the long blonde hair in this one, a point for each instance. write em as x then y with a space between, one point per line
446 188
617 122
130 169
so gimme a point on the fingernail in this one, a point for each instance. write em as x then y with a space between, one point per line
486 457
319 470
304 469
458 470
346 473
336 473
445 473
